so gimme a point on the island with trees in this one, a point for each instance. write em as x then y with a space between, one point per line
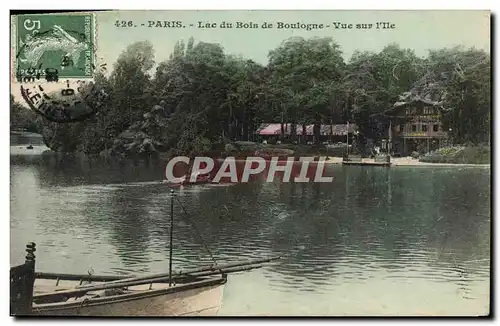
203 100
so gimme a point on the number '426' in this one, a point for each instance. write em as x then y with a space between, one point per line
123 23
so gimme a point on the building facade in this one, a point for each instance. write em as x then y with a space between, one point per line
415 127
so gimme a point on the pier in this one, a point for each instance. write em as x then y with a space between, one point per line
358 161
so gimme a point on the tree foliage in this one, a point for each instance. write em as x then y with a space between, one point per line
201 97
374 81
308 74
465 79
22 117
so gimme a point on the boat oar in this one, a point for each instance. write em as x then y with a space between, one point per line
163 277
216 269
113 278
123 283
224 271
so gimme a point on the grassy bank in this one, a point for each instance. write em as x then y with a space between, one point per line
459 155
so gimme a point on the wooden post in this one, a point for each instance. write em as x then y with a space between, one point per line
171 236
390 137
347 139
22 281
30 277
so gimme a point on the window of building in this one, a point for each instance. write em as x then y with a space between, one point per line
424 128
413 128
435 128
411 111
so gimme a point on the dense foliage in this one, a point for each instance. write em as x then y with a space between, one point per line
459 155
201 98
22 118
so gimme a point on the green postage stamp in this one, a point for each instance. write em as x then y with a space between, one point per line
61 43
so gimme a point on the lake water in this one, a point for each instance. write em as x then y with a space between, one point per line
375 241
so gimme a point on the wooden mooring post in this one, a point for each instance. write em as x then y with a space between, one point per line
22 282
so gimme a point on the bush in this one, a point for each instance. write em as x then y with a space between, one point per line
242 149
449 151
460 155
415 155
274 152
275 145
382 158
229 148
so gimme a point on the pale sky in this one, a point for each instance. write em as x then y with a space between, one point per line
418 30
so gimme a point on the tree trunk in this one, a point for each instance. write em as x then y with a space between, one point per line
293 130
304 134
245 130
282 133
317 132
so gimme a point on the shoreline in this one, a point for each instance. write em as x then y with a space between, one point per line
37 150
408 161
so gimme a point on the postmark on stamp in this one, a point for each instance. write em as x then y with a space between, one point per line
55 44
64 102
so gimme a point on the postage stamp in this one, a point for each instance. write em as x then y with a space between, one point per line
57 44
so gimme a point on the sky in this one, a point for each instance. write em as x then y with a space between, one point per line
418 30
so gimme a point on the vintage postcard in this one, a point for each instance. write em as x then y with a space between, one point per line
250 163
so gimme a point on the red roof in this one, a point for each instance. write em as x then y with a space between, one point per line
275 129
271 129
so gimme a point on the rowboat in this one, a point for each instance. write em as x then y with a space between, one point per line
196 292
200 180
201 297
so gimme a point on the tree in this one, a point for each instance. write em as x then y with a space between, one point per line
194 88
130 83
458 81
305 76
464 77
374 81
245 95
201 98
22 117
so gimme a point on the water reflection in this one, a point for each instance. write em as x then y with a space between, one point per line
362 241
